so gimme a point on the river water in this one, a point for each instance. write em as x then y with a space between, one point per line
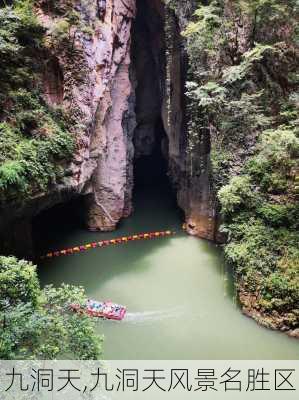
179 295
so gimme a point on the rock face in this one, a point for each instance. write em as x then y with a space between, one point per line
111 88
97 86
192 177
88 77
112 119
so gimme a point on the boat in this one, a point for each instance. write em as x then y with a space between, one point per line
97 309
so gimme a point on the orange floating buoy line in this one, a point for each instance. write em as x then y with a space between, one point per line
105 243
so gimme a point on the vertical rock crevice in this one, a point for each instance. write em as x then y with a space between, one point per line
148 49
160 63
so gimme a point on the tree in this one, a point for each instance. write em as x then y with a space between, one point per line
37 323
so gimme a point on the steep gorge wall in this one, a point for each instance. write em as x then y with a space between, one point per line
161 71
94 79
102 167
114 122
154 91
192 176
86 75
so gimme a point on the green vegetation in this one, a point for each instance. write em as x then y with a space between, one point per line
243 90
261 219
30 163
36 323
36 147
34 139
68 24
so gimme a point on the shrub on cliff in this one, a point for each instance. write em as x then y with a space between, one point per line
34 140
243 94
36 323
240 75
263 235
34 147
237 194
277 153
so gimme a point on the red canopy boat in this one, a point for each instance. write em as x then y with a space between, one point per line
98 309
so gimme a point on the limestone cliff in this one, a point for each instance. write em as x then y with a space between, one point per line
192 175
113 73
86 62
102 98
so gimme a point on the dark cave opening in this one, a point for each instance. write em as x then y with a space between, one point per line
59 221
148 71
151 169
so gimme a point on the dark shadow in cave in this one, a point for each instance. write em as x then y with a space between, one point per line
151 170
56 223
148 70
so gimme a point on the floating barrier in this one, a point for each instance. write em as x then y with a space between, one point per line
104 243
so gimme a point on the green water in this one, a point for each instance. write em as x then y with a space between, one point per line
179 295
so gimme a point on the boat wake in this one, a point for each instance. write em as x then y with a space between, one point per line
152 316
160 315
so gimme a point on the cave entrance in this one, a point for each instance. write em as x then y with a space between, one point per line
150 169
58 223
148 71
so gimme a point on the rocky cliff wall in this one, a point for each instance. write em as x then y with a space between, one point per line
91 76
86 74
191 176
